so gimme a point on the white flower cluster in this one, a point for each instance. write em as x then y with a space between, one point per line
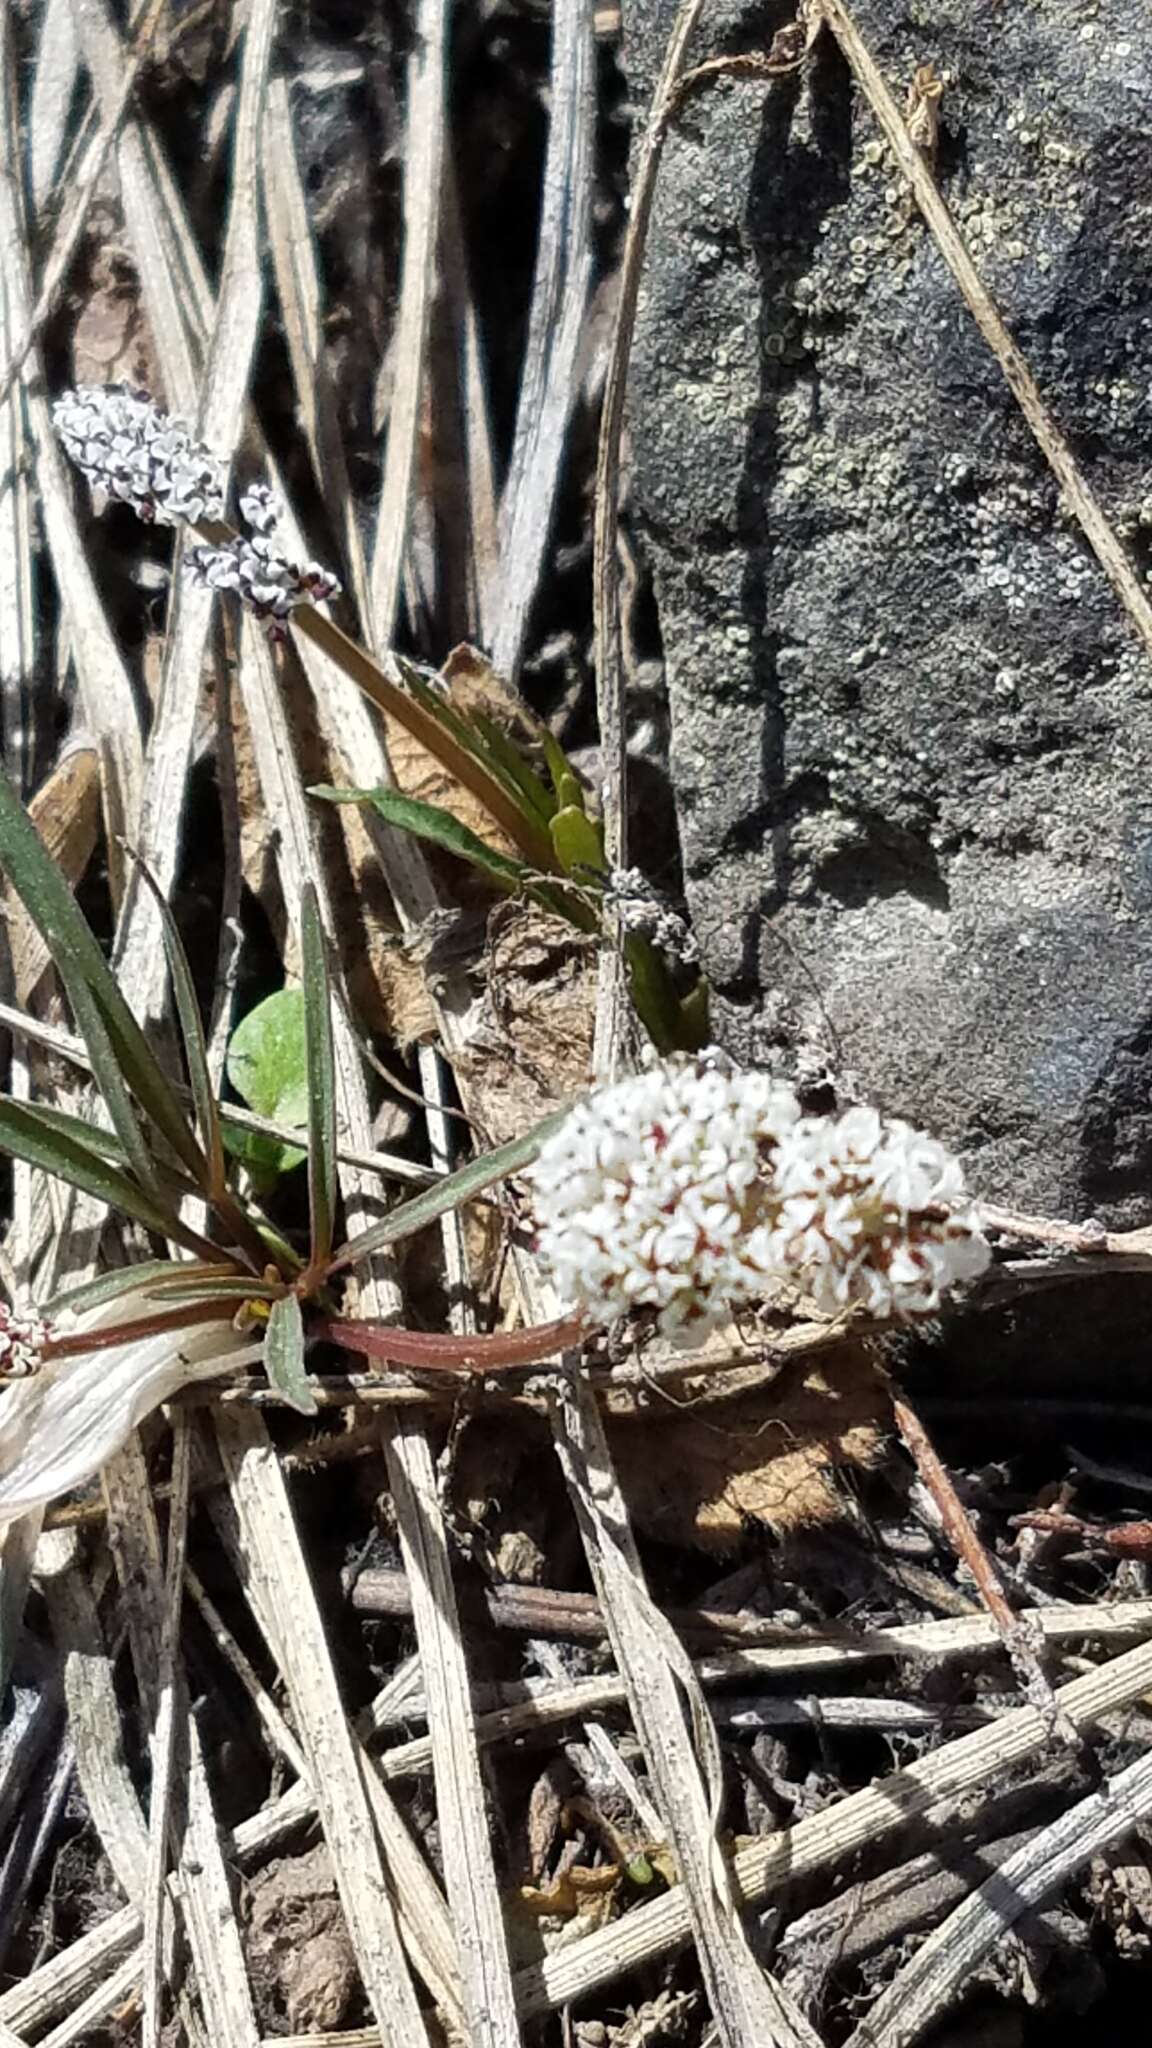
875 1212
129 449
694 1189
255 568
22 1339
641 908
651 1194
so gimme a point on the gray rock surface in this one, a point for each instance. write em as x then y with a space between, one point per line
912 730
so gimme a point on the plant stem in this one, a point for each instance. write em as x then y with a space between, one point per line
532 840
437 1353
154 1325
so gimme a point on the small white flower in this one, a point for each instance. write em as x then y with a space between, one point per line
261 508
875 1212
22 1339
132 451
651 1192
254 567
60 1426
695 1190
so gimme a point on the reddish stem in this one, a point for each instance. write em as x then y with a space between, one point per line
438 1353
142 1326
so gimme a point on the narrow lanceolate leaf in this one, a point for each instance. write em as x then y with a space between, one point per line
448 1193
122 1060
474 734
321 1079
438 827
506 756
148 1278
93 1137
284 1355
192 1033
24 1134
232 1288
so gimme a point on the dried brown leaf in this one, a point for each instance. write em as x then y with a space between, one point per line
297 1941
533 1048
767 1457
472 687
111 341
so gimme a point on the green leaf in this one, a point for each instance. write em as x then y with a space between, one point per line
192 1034
577 840
220 1289
448 1193
93 1137
284 1355
126 1280
38 1140
559 766
122 1059
505 756
267 1064
654 994
439 827
321 1079
471 735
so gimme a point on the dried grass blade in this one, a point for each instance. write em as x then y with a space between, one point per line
476 425
230 351
612 1008
429 1936
301 303
164 1744
87 167
203 1886
832 1837
18 623
473 1894
676 1731
922 1991
106 693
559 301
86 2017
53 87
321 1064
94 1715
108 60
423 161
272 1549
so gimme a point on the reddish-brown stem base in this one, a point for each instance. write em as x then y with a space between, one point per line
501 1352
141 1326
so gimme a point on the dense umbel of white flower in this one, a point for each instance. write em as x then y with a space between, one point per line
695 1189
255 568
129 449
873 1212
652 1192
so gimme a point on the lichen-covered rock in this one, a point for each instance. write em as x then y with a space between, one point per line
912 728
